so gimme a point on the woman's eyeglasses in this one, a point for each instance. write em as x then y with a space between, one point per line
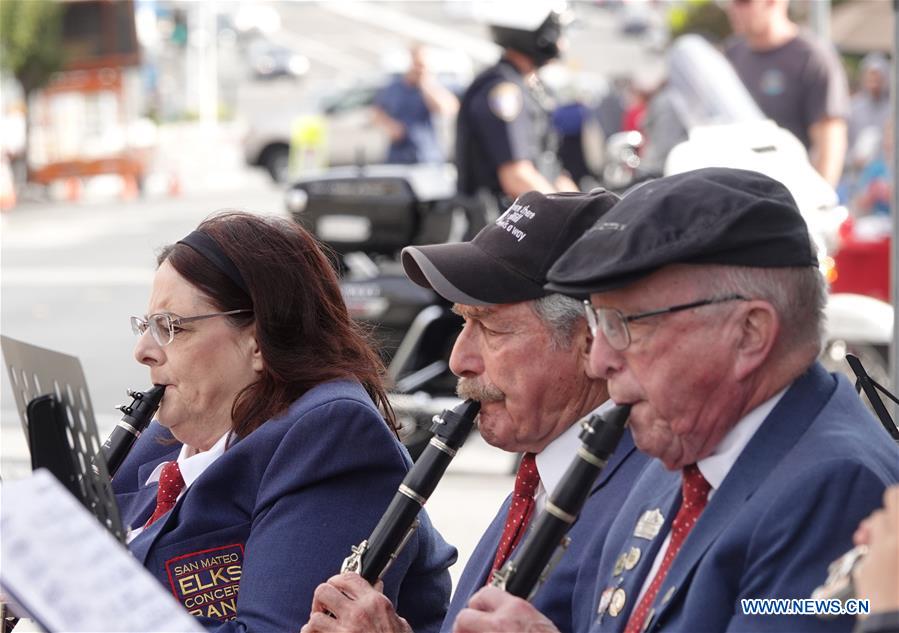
163 326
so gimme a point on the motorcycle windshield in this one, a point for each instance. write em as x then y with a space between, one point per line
704 88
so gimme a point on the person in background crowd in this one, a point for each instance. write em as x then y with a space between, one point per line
873 190
522 353
405 109
877 577
797 81
706 308
269 458
870 107
866 183
505 141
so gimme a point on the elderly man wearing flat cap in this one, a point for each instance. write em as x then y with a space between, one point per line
522 353
705 304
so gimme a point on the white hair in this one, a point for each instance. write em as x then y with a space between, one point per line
560 315
798 295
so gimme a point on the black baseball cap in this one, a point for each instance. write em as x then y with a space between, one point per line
707 216
507 261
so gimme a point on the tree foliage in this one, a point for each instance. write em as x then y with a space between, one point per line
701 17
31 40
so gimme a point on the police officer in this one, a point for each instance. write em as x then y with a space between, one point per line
505 143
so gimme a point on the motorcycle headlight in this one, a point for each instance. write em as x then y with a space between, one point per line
296 200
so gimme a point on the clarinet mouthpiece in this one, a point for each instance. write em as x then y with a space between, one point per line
468 409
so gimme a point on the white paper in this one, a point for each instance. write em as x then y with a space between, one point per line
69 573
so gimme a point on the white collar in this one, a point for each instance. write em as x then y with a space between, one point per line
192 466
554 459
716 466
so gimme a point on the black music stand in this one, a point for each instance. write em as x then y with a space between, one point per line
871 387
58 420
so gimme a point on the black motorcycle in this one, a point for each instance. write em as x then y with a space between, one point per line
366 215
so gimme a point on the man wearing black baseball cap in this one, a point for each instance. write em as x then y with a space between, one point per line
523 354
706 309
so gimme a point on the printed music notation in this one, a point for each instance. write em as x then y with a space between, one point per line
69 573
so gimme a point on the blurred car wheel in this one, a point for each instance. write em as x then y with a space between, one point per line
276 160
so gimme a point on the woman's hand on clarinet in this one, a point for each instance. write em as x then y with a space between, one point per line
346 603
491 610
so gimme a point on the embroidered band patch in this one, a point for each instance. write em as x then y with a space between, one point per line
206 582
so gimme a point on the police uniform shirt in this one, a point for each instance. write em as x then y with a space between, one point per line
191 466
503 118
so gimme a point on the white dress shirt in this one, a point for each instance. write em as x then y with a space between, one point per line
554 460
192 465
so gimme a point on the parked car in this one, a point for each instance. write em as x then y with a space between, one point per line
341 121
268 60
347 135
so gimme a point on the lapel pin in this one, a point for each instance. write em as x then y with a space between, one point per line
632 558
649 524
616 604
668 595
604 601
619 564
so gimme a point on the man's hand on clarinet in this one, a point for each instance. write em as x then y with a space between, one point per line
492 610
346 603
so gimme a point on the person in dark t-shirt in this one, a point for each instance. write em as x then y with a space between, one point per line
796 80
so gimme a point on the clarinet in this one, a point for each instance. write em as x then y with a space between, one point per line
374 555
136 418
547 541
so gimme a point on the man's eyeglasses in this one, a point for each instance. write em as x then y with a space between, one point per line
163 326
614 324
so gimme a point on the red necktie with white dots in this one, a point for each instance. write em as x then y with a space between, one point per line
171 483
695 491
520 510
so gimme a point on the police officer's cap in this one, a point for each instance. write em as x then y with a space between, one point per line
708 216
507 261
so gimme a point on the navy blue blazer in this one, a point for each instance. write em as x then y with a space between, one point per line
276 514
817 466
565 597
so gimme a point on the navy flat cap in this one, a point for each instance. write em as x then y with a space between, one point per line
708 216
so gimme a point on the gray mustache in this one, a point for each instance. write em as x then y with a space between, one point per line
476 390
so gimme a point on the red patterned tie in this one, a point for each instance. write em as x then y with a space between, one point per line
695 496
520 510
171 483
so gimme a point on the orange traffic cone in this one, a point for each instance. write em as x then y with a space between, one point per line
7 187
174 184
73 189
129 187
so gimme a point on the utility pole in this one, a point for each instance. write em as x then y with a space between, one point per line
894 277
819 19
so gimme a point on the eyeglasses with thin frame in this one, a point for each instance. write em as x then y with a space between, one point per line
163 326
614 324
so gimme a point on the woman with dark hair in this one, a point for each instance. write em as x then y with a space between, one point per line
269 458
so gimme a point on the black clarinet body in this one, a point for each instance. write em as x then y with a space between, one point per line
546 540
136 418
373 556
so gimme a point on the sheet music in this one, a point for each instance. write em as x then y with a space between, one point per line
69 573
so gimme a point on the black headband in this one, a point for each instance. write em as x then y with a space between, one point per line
209 248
